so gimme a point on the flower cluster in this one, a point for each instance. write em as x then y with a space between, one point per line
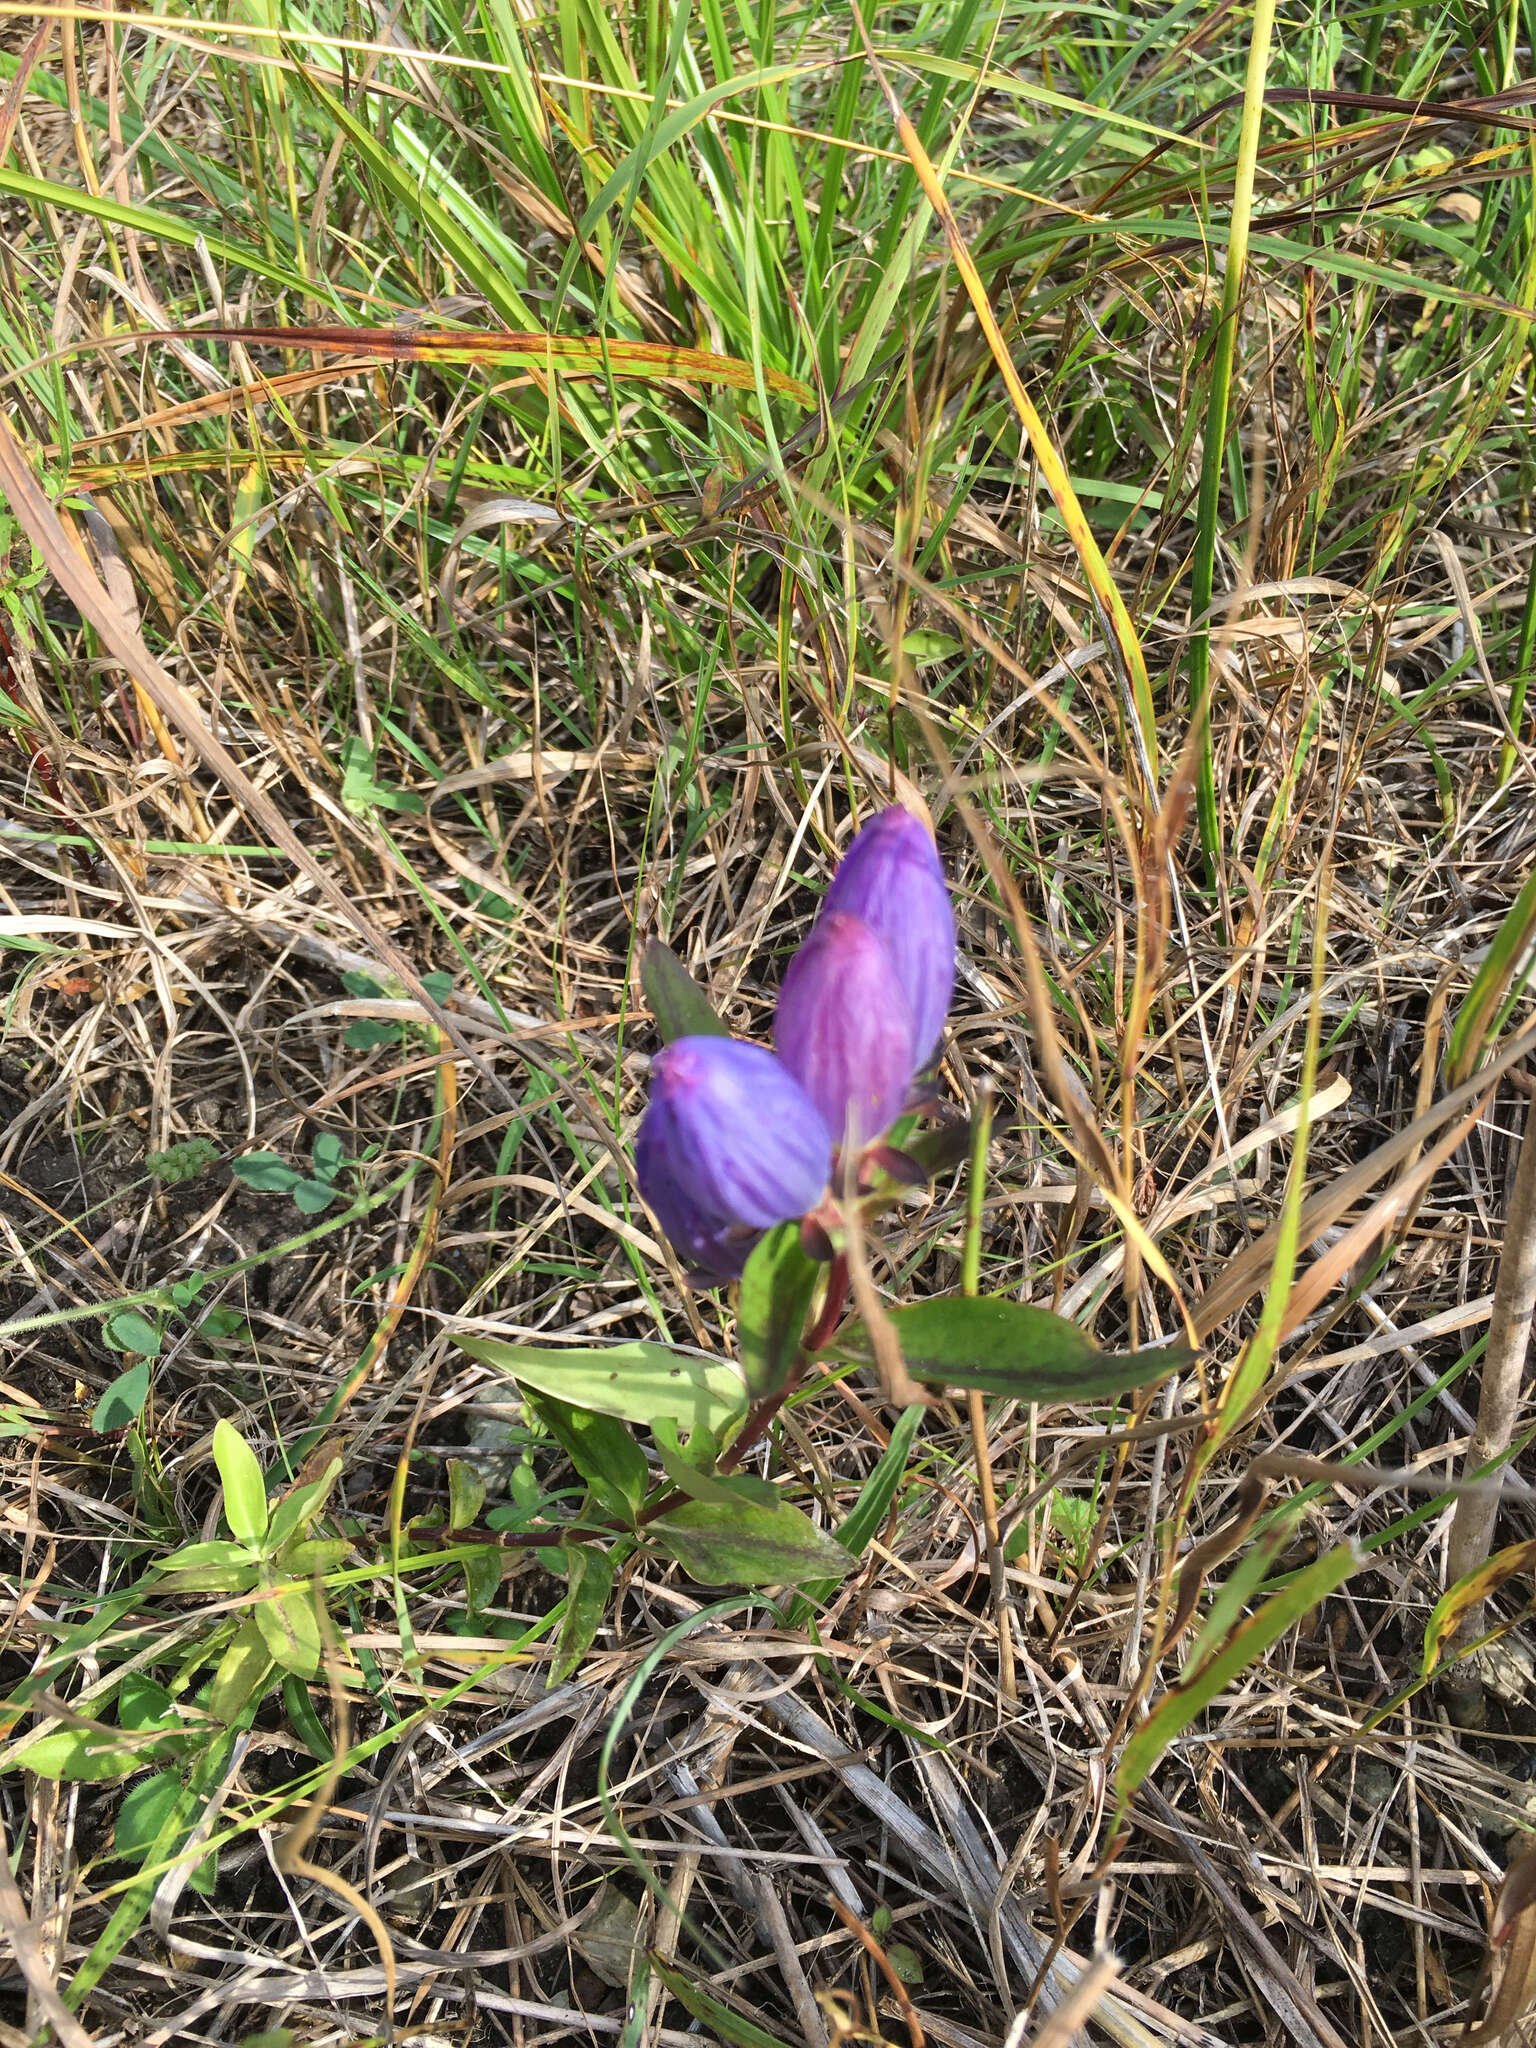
737 1138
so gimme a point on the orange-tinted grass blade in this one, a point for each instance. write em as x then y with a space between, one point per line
575 355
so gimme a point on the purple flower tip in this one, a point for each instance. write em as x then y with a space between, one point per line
730 1144
892 879
844 1028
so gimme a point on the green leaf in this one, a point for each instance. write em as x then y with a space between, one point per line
222 1323
291 1632
466 1493
197 1556
589 1581
359 790
1477 1016
127 1330
245 1491
603 1452
182 1162
311 1196
482 1578
721 2021
243 1668
317 1554
327 1156
81 1756
298 1509
141 1703
122 1399
303 1719
776 1290
364 1033
633 1382
745 1545
265 1172
366 986
692 1471
1244 1646
680 1007
1028 1354
144 1811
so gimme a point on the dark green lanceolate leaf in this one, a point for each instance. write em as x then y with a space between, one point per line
589 1581
122 1399
603 1452
742 1544
632 1382
680 1007
1027 1354
776 1291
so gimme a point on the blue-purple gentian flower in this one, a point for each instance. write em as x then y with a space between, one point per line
735 1139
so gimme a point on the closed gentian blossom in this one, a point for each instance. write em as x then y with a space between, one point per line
844 1029
892 879
735 1140
729 1145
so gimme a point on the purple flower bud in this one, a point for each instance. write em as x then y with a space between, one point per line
892 879
844 1028
729 1144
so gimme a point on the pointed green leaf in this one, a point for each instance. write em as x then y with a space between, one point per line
745 1545
589 1576
297 1509
692 1471
1027 1354
633 1382
776 1290
603 1452
680 1007
245 1491
1245 1645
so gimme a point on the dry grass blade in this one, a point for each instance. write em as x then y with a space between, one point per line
43 527
1248 1272
26 1948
